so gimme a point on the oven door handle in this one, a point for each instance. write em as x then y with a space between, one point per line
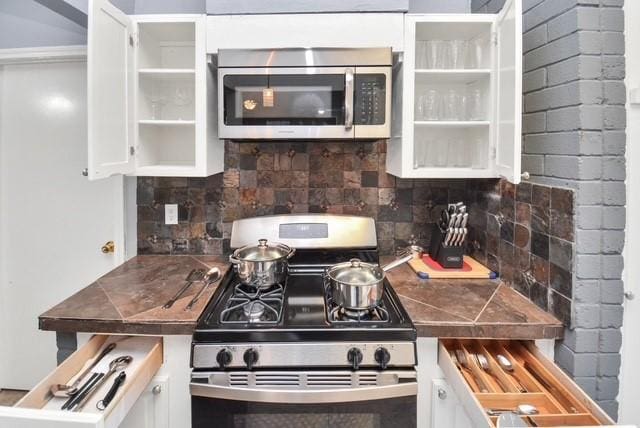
348 98
304 396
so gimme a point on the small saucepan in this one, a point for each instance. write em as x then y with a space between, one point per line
357 285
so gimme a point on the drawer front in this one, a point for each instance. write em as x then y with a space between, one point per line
38 409
533 380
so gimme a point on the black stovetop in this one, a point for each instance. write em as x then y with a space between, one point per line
304 314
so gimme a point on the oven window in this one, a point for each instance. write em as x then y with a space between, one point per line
284 100
387 413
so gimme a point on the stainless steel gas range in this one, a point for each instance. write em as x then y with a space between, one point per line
287 355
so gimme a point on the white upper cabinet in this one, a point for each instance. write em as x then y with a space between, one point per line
111 85
149 84
457 97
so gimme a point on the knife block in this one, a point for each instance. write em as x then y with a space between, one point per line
450 257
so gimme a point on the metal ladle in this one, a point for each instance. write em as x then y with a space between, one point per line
210 277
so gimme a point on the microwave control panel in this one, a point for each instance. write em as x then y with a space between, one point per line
369 99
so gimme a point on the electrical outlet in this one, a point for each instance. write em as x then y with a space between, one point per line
171 214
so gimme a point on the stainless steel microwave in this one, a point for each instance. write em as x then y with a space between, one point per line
320 93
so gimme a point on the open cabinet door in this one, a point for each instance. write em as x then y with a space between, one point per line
509 91
110 85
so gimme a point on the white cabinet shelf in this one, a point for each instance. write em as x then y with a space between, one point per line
167 71
433 136
150 92
167 122
452 123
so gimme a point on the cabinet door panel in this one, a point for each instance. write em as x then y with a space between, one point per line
509 90
110 82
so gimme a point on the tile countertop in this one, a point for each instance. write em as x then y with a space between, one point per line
466 308
129 300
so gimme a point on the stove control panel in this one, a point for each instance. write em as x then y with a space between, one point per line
354 355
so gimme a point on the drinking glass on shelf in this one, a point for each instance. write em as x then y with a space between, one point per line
475 53
428 107
158 99
456 155
420 153
439 154
182 98
451 105
421 54
432 53
475 105
479 153
444 56
458 53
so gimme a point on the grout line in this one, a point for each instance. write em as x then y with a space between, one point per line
111 301
488 301
434 307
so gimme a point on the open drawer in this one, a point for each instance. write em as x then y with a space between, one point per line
482 384
40 409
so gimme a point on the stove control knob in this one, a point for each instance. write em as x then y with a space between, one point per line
224 358
354 357
250 357
382 357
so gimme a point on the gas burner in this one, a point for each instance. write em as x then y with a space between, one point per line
253 305
337 314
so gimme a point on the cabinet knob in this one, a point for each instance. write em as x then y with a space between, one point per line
157 389
442 394
525 175
85 172
629 295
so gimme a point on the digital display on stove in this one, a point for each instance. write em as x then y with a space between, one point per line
303 231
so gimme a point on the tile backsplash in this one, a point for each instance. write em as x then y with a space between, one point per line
524 232
287 177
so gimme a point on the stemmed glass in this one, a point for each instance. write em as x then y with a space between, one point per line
181 98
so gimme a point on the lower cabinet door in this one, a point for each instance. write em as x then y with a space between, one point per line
446 410
152 408
39 409
492 376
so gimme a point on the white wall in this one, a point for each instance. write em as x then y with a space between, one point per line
3 243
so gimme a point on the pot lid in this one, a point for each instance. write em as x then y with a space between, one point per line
355 272
263 251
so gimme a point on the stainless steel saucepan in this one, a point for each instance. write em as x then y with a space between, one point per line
358 285
262 265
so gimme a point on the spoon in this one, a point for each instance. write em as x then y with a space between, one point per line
505 363
462 359
210 277
65 390
484 364
521 409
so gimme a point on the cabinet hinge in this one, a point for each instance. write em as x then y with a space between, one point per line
493 153
494 38
132 150
133 39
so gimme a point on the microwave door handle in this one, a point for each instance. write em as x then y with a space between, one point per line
348 98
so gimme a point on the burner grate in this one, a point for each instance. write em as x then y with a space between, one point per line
253 305
336 314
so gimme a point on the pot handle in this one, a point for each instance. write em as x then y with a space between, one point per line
233 259
396 263
292 251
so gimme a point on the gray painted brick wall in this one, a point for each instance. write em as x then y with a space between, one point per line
574 136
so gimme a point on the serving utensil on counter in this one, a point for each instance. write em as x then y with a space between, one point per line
115 365
210 277
194 275
461 358
64 390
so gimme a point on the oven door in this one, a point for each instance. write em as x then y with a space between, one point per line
304 399
274 103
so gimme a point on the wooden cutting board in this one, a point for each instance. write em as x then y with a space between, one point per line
427 268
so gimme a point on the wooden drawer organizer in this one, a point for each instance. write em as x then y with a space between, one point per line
559 400
39 409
